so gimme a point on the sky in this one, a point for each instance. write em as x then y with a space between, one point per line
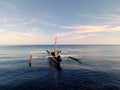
71 21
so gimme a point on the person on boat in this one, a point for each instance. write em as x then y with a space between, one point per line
53 53
59 58
58 64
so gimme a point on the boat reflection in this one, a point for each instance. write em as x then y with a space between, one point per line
53 64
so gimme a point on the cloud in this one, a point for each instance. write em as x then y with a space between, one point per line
82 29
7 9
107 18
1 30
12 6
95 16
7 5
4 19
117 9
114 29
86 28
33 36
89 34
47 23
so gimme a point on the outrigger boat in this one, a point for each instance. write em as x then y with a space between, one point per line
55 56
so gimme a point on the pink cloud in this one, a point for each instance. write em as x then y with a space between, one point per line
88 34
86 28
108 17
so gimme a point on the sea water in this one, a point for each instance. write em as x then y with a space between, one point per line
99 70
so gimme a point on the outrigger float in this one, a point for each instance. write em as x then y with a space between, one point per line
55 56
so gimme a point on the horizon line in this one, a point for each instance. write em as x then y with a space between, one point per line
51 44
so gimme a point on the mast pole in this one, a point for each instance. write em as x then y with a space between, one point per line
55 45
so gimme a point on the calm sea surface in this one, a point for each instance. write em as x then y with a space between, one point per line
99 70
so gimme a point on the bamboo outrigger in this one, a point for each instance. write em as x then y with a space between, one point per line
55 56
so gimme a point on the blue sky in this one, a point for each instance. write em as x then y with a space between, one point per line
72 21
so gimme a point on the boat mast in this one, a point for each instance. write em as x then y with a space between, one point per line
55 45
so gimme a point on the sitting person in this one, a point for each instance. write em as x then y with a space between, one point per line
53 53
59 59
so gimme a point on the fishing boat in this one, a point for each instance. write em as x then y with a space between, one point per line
55 56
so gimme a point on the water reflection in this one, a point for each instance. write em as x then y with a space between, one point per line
53 65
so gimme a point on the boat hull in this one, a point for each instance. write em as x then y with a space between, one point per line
53 59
